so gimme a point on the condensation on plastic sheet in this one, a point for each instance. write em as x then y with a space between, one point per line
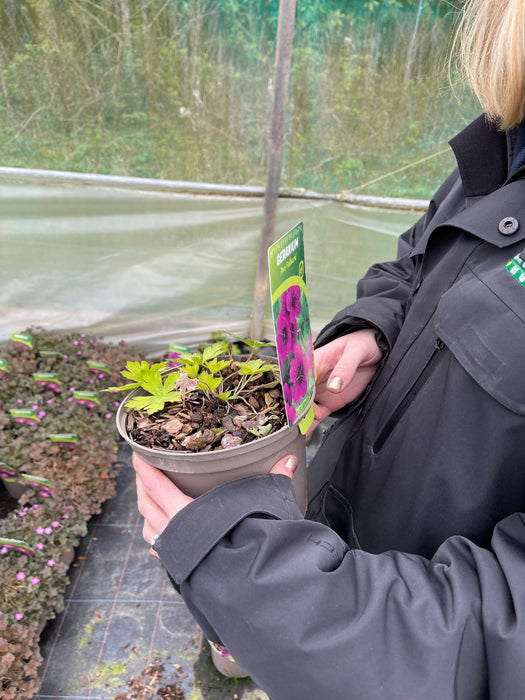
154 268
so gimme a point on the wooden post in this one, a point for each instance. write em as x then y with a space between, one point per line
283 57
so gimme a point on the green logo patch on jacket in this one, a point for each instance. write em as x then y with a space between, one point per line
516 267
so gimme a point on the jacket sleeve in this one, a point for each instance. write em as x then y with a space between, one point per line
383 293
308 618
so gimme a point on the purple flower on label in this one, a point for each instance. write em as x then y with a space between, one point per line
20 576
292 300
299 375
286 333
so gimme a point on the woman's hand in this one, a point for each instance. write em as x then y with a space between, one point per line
344 367
159 500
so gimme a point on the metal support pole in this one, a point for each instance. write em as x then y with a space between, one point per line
283 56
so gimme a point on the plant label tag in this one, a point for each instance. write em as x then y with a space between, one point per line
98 366
64 437
22 338
291 320
24 414
46 377
52 353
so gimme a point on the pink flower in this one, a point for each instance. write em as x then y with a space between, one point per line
292 300
19 616
48 530
4 550
39 545
51 562
34 581
55 523
286 333
299 375
108 416
20 576
39 530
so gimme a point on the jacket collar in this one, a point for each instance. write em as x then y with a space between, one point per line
482 155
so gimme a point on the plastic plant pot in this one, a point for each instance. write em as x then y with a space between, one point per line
198 472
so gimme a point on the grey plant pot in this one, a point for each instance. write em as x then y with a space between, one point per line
198 472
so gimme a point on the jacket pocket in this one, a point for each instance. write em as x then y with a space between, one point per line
334 510
482 321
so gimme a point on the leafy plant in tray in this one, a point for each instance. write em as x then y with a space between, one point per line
213 417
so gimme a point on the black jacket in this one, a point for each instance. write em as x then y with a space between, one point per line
421 594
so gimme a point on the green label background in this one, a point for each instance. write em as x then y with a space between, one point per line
289 273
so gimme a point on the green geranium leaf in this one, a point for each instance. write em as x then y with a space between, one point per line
254 344
216 366
126 387
208 382
256 367
212 351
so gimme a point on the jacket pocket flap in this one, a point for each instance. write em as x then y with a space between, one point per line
480 320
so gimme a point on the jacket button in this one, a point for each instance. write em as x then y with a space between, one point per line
508 226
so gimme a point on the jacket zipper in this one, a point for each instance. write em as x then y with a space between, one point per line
394 419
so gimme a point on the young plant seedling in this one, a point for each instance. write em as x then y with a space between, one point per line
208 371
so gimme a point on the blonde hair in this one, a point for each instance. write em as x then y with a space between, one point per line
491 46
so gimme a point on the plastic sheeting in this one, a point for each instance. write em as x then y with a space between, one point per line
153 268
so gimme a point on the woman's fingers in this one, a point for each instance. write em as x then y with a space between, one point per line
158 499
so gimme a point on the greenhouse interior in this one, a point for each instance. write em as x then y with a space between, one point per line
135 193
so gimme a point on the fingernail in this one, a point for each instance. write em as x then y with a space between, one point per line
335 383
291 463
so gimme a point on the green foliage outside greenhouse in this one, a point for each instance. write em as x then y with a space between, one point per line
182 90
